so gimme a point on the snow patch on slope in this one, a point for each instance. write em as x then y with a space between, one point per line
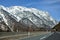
36 16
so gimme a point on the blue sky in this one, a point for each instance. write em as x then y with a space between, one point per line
52 6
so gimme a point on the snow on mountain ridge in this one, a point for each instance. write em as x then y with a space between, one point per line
32 14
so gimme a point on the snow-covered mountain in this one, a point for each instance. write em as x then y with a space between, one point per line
27 16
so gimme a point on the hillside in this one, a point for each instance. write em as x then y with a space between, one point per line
18 18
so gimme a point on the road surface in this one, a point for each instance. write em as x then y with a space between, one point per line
50 36
47 36
55 36
19 35
40 37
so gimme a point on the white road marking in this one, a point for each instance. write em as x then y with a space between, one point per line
43 37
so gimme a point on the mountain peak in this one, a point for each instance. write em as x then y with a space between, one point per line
35 16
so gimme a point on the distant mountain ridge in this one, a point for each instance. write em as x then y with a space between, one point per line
27 17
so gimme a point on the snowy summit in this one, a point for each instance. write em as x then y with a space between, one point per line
29 16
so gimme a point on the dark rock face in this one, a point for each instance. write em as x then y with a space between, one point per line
57 27
3 27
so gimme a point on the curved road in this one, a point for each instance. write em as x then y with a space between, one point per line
40 37
50 36
55 36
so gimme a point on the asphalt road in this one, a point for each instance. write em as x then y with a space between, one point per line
40 37
55 36
50 36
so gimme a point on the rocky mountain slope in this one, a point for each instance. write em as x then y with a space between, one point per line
18 18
